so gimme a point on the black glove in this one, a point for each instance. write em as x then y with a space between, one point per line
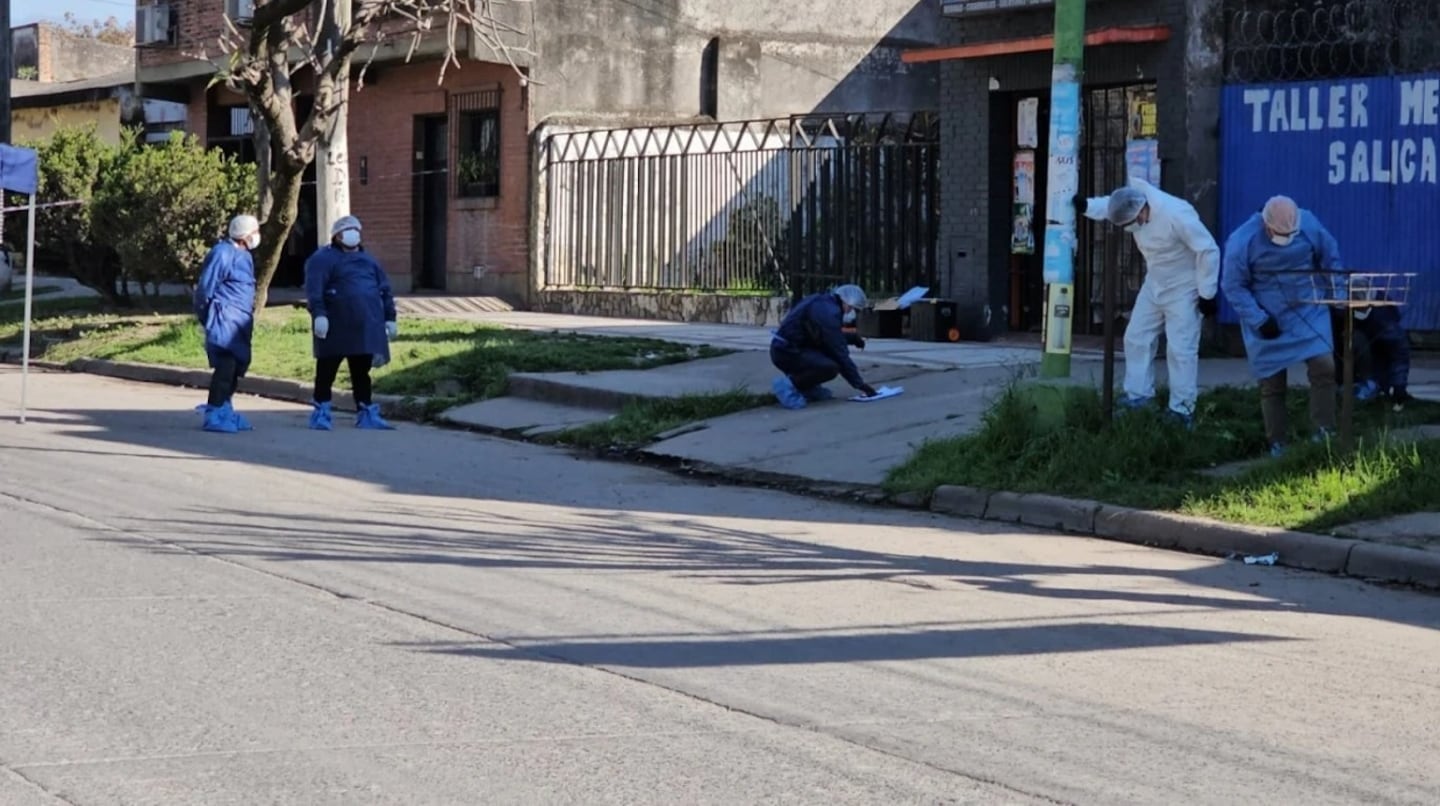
1208 307
855 340
867 390
1271 329
1081 205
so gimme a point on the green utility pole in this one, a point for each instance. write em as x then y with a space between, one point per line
1063 184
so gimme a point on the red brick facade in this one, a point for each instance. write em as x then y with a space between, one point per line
490 235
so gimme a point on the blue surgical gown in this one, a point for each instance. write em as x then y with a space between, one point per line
352 291
224 302
1261 280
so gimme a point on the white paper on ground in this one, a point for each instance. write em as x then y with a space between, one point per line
880 394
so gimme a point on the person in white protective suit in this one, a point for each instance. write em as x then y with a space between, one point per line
1182 263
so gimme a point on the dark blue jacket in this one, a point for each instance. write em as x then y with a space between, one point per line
352 291
815 324
224 302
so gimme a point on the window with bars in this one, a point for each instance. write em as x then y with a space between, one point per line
475 123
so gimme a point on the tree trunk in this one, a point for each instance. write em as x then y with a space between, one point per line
261 137
285 194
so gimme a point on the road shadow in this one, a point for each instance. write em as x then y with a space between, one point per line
613 517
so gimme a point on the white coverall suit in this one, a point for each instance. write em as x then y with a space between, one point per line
1182 263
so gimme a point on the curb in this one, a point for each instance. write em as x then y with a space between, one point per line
392 406
1311 552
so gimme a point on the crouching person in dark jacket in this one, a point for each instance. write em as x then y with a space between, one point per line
1389 369
811 347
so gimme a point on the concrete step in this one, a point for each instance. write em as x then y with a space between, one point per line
425 305
519 415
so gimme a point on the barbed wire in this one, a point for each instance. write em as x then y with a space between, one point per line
1300 40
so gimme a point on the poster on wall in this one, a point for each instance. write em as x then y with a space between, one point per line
1144 124
1022 237
1027 123
1025 177
1142 160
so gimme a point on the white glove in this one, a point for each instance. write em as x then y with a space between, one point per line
392 329
322 327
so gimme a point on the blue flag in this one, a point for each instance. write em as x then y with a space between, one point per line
19 170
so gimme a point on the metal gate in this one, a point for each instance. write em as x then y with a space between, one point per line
1102 170
771 207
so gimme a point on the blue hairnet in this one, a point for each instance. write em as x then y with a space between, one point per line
1125 206
852 295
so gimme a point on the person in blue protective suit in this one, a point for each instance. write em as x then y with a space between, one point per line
1269 279
224 303
353 314
1182 275
1386 370
811 347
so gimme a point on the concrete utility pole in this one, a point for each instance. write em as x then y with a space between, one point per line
1063 183
332 157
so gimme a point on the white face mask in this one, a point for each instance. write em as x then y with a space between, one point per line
849 317
1282 240
350 238
252 241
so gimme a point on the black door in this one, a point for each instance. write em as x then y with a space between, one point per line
431 201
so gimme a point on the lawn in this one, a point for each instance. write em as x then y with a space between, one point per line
639 423
1056 440
448 360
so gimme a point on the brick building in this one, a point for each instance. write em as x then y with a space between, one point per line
587 64
1149 104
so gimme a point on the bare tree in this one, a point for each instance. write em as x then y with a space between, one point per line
280 48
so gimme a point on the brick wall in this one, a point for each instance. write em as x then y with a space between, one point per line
971 269
199 25
490 233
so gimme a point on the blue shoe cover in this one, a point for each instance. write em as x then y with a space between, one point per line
320 418
369 418
787 394
220 420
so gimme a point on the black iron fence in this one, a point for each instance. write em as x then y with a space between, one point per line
783 207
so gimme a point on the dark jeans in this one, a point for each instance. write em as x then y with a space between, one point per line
224 380
327 368
1321 371
806 369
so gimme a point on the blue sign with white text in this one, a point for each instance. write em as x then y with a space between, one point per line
1360 154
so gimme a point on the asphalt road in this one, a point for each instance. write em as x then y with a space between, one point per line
431 617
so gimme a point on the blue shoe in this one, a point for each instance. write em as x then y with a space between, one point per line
320 418
1131 403
220 420
787 394
1184 419
1366 391
369 418
818 394
1277 450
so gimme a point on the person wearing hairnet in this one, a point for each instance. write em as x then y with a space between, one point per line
1182 262
224 304
353 320
1268 279
811 347
1388 370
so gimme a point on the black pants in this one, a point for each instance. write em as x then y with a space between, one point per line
327 368
806 368
224 380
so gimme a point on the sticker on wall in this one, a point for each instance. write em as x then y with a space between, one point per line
1144 123
1027 123
1142 160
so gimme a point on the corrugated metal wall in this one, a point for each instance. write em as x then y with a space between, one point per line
1361 154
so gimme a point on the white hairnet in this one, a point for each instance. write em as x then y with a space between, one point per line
851 295
243 225
343 223
1125 206
1281 214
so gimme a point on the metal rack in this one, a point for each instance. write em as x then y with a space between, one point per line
1350 291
